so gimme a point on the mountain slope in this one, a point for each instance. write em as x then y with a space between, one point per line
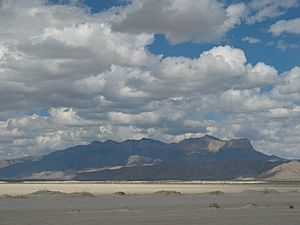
285 172
132 153
216 170
4 163
8 162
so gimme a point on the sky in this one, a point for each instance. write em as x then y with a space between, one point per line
72 72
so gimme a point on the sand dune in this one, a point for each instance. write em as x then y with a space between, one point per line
284 172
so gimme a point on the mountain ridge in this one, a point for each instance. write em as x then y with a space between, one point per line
197 153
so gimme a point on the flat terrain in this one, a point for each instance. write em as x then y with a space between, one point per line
224 204
100 188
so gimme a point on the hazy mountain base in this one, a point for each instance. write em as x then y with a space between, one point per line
219 170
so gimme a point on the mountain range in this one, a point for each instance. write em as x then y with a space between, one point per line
204 158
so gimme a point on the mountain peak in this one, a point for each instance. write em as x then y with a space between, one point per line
109 141
210 137
212 144
206 143
95 142
145 139
142 141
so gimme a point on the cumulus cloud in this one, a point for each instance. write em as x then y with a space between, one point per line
290 88
246 101
259 76
285 26
67 77
67 48
36 134
191 20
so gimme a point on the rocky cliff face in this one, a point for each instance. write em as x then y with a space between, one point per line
243 143
212 144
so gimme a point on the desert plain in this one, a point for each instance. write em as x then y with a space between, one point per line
137 203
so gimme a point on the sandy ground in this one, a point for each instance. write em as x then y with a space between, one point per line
238 205
143 188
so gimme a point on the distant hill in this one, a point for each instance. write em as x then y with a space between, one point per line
197 158
285 172
8 162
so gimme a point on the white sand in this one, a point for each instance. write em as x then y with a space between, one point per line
142 188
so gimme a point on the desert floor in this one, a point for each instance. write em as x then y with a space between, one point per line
218 204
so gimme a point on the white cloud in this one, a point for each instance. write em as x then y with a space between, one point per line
260 10
285 26
64 48
259 76
215 70
181 21
283 45
290 88
144 118
251 40
246 101
235 13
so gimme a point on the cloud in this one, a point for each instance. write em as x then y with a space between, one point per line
259 76
251 40
35 134
290 88
283 45
245 101
133 119
260 10
192 20
65 47
67 77
285 26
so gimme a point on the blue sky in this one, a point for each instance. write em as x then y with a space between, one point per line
95 5
72 72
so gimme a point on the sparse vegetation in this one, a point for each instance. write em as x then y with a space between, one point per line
251 205
49 193
215 206
46 192
216 192
167 192
120 193
264 191
270 191
13 196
